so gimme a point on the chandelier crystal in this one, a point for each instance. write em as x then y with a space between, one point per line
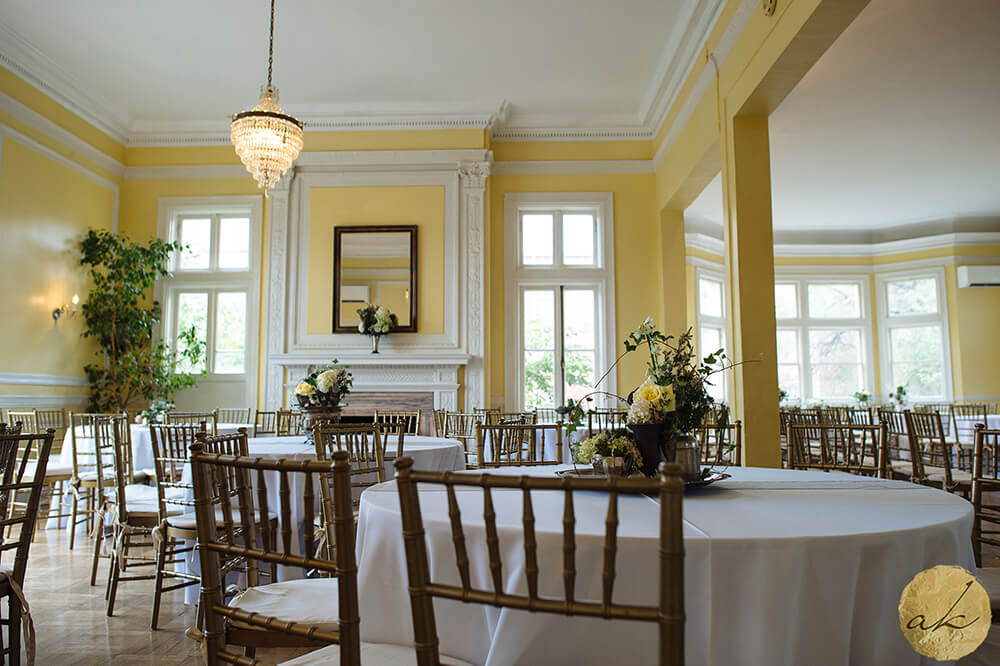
267 139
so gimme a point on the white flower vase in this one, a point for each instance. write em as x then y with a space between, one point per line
375 343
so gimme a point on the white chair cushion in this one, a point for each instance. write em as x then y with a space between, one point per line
52 469
311 601
372 654
187 521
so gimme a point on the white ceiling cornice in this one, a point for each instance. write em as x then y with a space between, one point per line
678 56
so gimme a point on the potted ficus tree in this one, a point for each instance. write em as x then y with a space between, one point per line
131 366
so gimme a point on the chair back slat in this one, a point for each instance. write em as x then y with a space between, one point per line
23 461
265 423
928 446
668 612
240 415
410 420
210 419
458 537
213 485
847 447
605 419
721 443
517 444
546 415
963 418
28 418
284 497
171 444
440 419
287 423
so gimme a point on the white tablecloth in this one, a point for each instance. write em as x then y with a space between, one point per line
782 567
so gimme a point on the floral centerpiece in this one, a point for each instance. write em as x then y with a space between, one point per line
319 394
611 452
862 397
898 397
376 321
673 400
155 413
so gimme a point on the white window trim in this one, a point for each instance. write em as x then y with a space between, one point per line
518 276
804 323
885 323
169 210
700 272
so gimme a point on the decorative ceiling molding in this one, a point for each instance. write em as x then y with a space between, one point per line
514 133
29 63
715 245
574 167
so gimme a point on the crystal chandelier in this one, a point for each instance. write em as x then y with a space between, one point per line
266 138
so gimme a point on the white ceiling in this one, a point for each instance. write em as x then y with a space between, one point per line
897 124
187 64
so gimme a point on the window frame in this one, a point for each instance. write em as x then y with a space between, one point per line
520 277
887 323
804 323
722 323
214 279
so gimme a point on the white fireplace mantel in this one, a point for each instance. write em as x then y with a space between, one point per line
422 362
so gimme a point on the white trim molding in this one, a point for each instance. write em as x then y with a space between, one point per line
28 401
463 175
32 379
574 167
714 245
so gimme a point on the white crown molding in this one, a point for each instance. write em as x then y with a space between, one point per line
37 121
678 58
30 401
705 243
715 245
725 45
574 167
29 63
30 379
514 133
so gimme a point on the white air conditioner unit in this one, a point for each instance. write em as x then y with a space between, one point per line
978 276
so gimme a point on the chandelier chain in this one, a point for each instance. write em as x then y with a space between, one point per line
270 47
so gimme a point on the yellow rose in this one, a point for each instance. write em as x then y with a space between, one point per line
650 392
304 389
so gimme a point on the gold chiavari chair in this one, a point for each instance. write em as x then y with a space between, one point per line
855 415
175 523
462 426
294 613
986 507
932 454
18 475
88 486
897 443
287 423
265 423
505 445
928 407
546 415
604 419
811 441
10 429
668 614
238 415
510 418
961 427
393 441
850 448
57 475
365 448
210 419
485 411
721 443
410 420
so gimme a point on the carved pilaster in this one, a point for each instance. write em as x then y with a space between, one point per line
277 296
473 177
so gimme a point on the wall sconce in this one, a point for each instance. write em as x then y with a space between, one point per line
70 310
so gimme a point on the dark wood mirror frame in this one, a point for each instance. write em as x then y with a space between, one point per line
338 233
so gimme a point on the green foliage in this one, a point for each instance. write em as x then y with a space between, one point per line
130 366
376 320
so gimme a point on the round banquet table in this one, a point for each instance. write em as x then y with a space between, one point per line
781 567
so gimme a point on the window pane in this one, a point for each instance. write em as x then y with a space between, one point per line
536 240
234 242
578 240
912 297
788 346
834 301
922 380
836 380
711 340
539 319
579 374
788 379
835 346
539 379
710 297
192 310
786 303
917 344
578 319
196 235
230 332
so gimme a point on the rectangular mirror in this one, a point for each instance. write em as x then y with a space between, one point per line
374 264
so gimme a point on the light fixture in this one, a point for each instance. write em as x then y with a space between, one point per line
66 309
266 138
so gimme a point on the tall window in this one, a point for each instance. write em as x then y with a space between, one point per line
824 333
712 325
559 297
913 333
210 289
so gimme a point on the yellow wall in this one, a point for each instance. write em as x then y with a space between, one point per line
637 260
46 209
330 207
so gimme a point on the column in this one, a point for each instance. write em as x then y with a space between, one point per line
750 262
473 177
278 214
